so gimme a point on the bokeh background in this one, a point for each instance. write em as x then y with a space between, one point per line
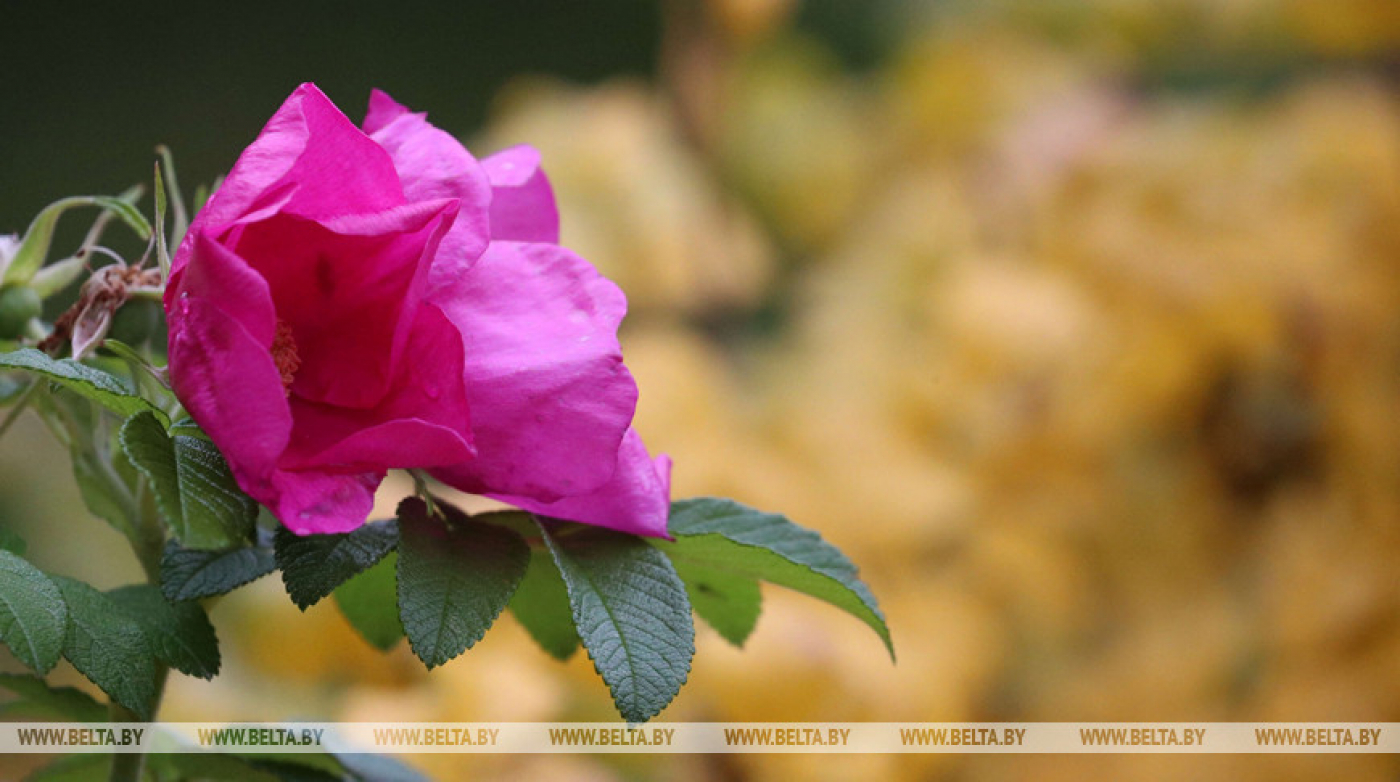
1075 324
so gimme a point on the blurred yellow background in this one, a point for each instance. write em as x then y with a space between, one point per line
1076 325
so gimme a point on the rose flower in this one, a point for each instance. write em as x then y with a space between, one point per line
352 301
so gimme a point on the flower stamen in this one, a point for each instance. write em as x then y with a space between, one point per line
284 355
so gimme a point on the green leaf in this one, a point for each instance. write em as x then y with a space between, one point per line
631 611
180 633
455 578
289 771
162 252
39 237
101 387
108 647
11 541
370 602
729 602
53 278
722 535
186 427
189 574
378 768
210 767
38 701
102 487
83 767
33 618
541 605
314 565
196 492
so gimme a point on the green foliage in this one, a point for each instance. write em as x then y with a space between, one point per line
33 614
11 541
722 536
541 605
196 493
108 647
39 237
101 387
85 767
36 700
370 602
455 578
631 612
727 601
189 574
314 565
178 633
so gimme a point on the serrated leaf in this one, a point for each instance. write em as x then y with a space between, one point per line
453 581
189 574
369 601
33 616
541 605
11 541
101 387
314 565
632 614
196 492
84 767
180 633
108 647
728 602
38 701
186 427
723 535
39 236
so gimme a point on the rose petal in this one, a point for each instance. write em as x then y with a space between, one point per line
635 500
314 503
424 422
309 160
522 202
550 397
228 382
432 164
218 276
347 288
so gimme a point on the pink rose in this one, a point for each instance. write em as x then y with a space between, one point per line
354 301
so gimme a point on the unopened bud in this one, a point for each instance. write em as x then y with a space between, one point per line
19 304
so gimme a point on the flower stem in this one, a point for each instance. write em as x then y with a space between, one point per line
148 543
